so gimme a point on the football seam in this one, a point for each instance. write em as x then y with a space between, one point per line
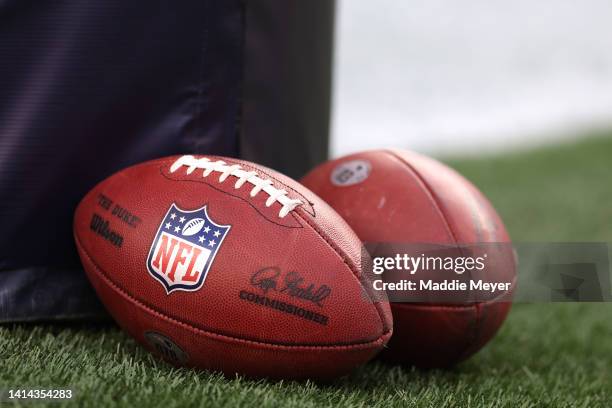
429 191
246 164
353 270
370 344
232 195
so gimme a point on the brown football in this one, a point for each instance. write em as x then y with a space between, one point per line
400 196
226 265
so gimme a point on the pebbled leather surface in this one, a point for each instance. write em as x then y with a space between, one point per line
213 325
409 198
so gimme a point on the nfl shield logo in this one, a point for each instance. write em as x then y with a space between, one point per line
184 248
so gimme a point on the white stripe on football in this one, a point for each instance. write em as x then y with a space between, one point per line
193 227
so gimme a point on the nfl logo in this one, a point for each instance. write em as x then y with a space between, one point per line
184 248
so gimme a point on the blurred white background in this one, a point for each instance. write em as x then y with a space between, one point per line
446 76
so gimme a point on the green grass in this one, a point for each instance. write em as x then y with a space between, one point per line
545 355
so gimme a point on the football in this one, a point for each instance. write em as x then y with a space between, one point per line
229 266
396 196
193 227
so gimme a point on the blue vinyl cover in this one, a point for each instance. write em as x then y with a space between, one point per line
88 87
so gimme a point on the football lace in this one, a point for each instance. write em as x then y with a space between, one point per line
243 176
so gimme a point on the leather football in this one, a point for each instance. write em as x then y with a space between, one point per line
396 196
226 265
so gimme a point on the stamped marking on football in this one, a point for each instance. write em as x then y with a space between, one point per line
101 227
271 280
166 347
350 173
291 283
284 307
184 248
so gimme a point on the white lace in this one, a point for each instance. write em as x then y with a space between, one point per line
243 176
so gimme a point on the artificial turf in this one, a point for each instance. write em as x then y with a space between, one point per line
545 354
